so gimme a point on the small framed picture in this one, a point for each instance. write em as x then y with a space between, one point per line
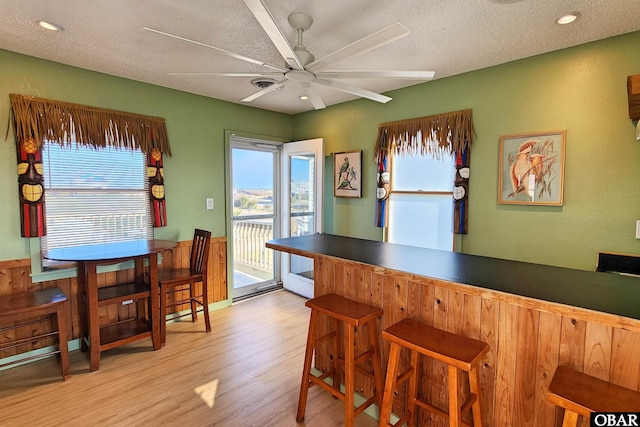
347 174
531 170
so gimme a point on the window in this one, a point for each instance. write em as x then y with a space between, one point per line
421 201
94 195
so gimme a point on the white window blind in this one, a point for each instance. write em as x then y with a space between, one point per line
94 196
421 201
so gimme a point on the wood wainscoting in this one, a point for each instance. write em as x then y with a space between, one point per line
15 279
529 338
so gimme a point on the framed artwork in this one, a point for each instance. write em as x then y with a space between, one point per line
531 170
347 174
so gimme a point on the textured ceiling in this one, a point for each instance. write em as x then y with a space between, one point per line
447 36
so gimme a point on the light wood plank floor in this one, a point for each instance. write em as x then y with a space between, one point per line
245 373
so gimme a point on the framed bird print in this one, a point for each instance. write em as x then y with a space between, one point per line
531 170
347 174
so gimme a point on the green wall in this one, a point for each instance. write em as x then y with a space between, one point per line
581 89
195 125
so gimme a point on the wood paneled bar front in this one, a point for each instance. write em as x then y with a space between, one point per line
534 317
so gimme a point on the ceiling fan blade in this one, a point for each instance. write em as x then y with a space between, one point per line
314 97
264 17
380 38
356 74
222 51
276 86
281 75
355 91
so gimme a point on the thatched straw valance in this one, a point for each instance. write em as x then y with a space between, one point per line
60 122
447 132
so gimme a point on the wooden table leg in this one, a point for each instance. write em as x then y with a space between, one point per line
154 316
82 306
93 315
63 338
143 309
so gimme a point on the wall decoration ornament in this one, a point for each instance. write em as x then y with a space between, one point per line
461 190
531 168
383 178
155 174
31 188
347 174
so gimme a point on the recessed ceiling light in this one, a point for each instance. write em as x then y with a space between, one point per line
50 26
304 97
568 18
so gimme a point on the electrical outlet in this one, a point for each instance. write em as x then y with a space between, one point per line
209 203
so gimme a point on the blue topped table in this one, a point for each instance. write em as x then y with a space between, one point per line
93 336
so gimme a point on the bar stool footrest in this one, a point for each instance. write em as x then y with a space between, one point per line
403 377
360 409
324 375
465 407
313 380
325 337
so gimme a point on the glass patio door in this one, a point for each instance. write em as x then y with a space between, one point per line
275 190
303 166
254 172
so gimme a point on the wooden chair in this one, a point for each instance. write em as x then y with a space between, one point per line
581 394
350 315
26 308
182 280
457 351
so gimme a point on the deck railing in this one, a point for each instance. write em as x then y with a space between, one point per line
249 237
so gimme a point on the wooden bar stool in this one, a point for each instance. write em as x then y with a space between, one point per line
27 308
582 394
456 351
351 315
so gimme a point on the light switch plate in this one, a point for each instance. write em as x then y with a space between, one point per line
209 203
638 229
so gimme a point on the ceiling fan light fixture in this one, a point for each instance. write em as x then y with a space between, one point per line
300 21
304 56
568 18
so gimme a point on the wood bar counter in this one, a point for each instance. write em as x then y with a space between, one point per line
534 317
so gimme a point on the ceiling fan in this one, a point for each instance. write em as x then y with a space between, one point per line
301 66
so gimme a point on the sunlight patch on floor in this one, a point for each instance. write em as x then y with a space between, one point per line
207 392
